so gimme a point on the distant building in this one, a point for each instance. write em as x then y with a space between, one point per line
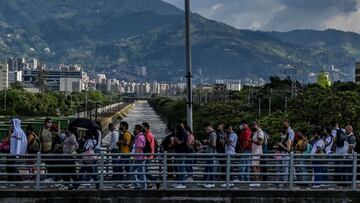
4 77
16 64
14 76
357 72
140 71
68 84
53 78
323 79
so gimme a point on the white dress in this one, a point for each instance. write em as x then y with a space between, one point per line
256 149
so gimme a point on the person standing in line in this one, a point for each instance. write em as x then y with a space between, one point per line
150 139
18 146
286 126
302 147
283 149
69 147
317 149
220 149
245 148
231 140
180 150
211 163
125 143
190 143
46 138
256 150
138 167
114 149
348 149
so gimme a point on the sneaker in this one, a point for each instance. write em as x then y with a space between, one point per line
180 186
315 186
48 180
254 185
10 185
174 185
120 186
189 179
224 185
209 186
236 181
63 187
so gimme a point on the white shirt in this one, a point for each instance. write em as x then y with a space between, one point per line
255 148
347 143
291 134
318 144
330 141
230 148
114 139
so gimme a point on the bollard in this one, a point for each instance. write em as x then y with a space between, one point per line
291 178
102 170
228 171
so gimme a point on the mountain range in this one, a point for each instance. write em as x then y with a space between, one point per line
113 36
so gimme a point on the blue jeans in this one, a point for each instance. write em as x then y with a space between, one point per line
282 168
245 163
89 169
180 168
318 169
302 169
210 168
139 177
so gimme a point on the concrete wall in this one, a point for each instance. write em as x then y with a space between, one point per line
211 196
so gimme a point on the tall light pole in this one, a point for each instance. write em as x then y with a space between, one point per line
188 65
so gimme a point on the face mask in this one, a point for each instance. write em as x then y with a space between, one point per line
63 136
241 127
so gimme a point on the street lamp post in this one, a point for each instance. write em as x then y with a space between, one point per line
188 65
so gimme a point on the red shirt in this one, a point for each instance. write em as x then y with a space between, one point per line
150 138
246 136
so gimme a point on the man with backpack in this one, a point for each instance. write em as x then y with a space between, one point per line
211 163
46 138
349 145
125 144
150 147
339 137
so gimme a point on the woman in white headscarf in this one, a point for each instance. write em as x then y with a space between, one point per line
18 140
18 146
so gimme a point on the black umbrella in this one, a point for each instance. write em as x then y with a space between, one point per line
84 123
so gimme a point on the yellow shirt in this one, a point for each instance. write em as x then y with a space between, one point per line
125 148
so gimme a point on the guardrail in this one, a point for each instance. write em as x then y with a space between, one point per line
179 171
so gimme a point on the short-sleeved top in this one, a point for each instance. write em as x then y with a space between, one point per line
246 137
90 144
151 139
139 143
291 134
114 139
211 138
329 141
124 148
350 140
255 148
230 148
318 145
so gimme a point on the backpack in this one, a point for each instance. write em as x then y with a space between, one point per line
147 148
35 145
330 143
220 143
340 138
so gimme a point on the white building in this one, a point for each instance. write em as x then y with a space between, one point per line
4 76
140 71
14 76
71 85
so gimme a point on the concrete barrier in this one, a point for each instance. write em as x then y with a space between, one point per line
174 196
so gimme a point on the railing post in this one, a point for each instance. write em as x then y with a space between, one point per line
291 175
38 164
354 172
228 170
102 170
165 171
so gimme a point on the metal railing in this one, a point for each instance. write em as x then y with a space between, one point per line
178 171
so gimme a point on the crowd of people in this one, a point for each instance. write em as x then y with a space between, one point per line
138 149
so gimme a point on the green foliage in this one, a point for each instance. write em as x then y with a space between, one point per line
312 106
22 103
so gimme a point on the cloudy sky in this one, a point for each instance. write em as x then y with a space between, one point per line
280 15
